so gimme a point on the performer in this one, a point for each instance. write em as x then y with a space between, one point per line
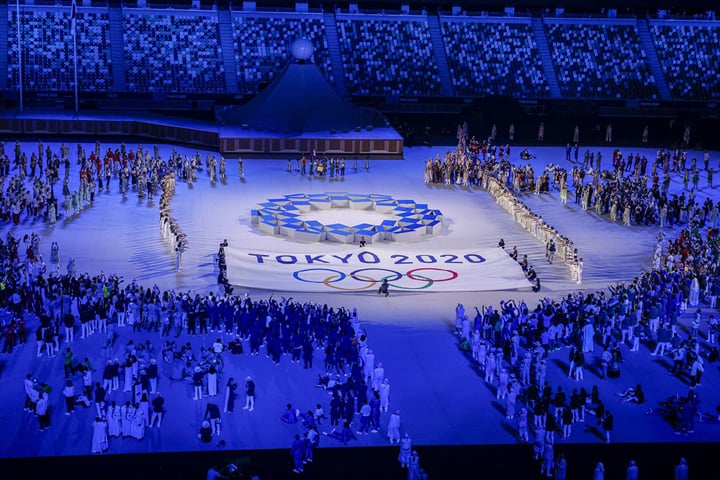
384 288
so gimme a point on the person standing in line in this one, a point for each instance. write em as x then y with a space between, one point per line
681 470
197 383
249 394
69 394
393 427
349 408
212 414
579 364
405 451
297 451
369 365
114 417
599 472
212 383
128 373
632 472
588 337
68 363
42 410
69 322
139 422
87 381
99 436
230 388
571 360
490 367
152 374
115 373
378 376
29 393
364 418
178 258
40 339
54 251
158 404
579 269
335 409
375 412
550 250
561 468
312 439
100 395
385 395
127 413
307 353
523 425
548 460
696 371
414 470
607 425
107 377
566 418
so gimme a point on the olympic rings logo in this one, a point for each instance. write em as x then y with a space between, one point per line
368 278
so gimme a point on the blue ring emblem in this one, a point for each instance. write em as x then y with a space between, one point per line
290 216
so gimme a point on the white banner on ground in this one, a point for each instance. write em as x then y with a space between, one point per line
364 270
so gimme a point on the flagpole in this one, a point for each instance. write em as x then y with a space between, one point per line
20 63
74 34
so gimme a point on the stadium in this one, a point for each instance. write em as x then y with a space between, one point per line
479 204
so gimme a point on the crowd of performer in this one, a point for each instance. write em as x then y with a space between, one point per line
63 312
626 192
555 242
169 226
514 343
140 171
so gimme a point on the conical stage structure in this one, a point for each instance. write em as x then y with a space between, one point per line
299 100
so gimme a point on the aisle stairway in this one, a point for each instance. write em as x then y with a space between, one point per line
334 52
227 45
653 61
117 53
4 47
545 56
446 88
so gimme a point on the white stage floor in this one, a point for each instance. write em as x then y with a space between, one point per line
442 399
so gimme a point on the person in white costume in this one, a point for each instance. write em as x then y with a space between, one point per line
99 436
393 427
